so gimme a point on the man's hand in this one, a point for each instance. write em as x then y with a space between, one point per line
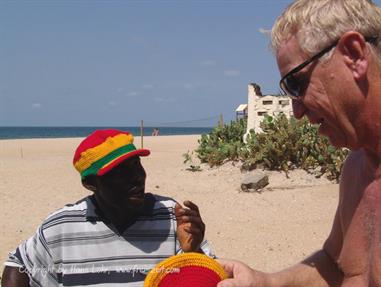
190 227
242 275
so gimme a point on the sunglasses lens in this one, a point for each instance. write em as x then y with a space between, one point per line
291 86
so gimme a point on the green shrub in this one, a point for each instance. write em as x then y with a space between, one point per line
284 144
223 143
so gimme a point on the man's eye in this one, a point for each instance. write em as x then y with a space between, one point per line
292 83
303 81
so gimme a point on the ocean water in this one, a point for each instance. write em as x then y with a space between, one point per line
73 132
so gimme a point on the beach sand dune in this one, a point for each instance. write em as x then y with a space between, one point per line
268 231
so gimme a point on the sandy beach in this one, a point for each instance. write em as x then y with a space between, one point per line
269 231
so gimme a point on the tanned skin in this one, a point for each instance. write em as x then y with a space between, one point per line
342 96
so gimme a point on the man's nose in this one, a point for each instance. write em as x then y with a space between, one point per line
298 108
140 174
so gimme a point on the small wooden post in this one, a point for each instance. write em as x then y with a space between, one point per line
221 121
141 133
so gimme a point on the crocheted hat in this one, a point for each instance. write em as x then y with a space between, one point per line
102 150
186 270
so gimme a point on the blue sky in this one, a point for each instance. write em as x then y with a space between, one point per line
114 63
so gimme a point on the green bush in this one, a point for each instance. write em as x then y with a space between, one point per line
223 143
284 144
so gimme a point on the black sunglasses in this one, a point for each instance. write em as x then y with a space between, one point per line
291 87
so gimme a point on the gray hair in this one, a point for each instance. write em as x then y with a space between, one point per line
319 23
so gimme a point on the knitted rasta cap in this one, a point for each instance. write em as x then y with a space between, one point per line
186 270
102 150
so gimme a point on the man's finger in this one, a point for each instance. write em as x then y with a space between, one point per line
228 266
194 230
191 205
191 219
229 283
186 211
178 207
193 227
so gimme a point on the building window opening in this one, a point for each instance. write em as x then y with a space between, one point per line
262 113
284 102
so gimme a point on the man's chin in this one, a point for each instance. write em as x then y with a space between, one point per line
333 139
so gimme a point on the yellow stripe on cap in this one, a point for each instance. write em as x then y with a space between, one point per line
94 154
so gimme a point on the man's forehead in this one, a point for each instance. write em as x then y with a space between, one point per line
289 55
131 160
127 164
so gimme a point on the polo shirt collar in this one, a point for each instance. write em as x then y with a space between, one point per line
92 211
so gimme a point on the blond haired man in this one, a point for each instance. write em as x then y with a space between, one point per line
328 53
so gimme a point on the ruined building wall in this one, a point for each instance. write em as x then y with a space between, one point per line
259 106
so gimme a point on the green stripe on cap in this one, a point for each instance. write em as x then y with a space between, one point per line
96 166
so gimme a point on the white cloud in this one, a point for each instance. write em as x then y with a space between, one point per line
112 103
164 100
231 73
136 40
132 94
36 105
148 87
264 31
208 63
120 90
188 86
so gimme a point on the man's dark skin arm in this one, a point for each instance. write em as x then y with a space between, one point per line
12 277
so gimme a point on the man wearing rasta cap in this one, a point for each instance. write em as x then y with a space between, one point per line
112 237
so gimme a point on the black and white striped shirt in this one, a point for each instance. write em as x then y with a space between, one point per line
74 246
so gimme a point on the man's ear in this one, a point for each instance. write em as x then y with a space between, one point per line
89 182
355 52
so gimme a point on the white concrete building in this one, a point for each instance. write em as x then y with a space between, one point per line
259 106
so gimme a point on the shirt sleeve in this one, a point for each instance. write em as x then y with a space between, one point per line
34 258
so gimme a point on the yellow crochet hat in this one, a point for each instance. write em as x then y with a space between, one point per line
186 270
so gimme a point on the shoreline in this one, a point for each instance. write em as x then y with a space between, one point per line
76 138
8 133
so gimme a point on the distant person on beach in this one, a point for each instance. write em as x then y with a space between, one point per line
329 56
113 236
155 132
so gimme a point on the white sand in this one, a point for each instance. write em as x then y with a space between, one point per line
269 231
